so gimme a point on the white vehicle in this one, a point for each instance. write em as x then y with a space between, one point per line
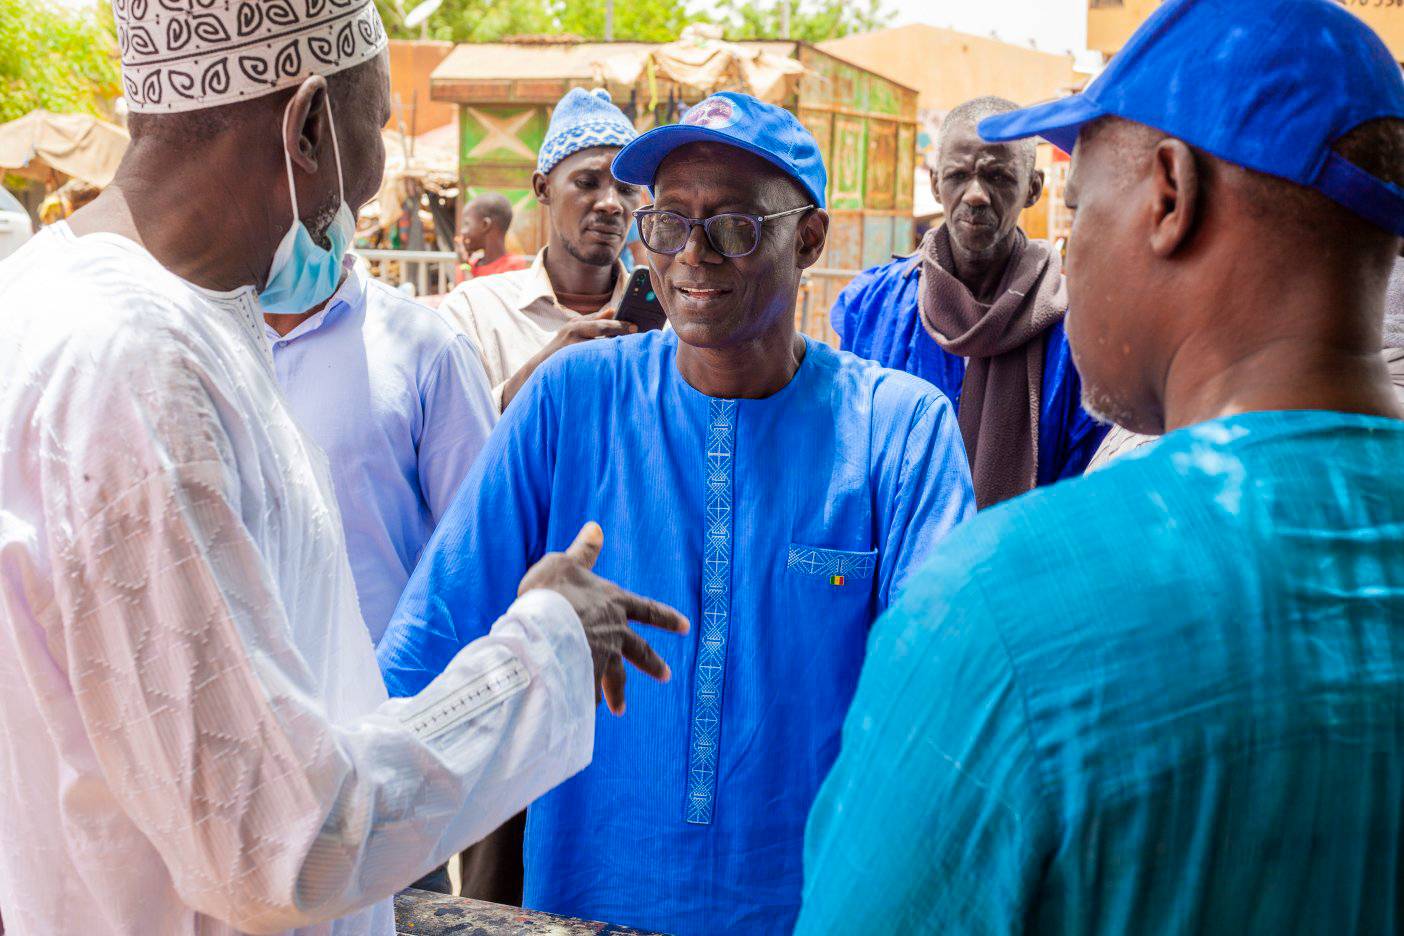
15 226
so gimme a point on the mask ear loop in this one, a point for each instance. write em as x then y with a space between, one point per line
287 158
336 149
287 163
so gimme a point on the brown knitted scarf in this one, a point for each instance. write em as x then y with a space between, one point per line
1004 344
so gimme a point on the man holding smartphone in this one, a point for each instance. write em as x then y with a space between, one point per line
569 293
772 488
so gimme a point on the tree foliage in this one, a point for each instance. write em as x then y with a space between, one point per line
809 21
54 58
639 20
471 20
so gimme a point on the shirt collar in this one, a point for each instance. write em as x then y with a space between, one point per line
351 294
537 285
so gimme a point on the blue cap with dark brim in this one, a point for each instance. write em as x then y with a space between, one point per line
739 120
1267 86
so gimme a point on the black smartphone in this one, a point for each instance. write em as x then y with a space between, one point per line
640 304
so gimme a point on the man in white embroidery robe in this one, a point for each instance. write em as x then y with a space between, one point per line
193 734
774 489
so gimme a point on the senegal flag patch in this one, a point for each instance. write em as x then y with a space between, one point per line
836 580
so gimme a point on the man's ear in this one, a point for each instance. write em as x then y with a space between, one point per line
304 123
1035 188
812 233
540 189
1175 181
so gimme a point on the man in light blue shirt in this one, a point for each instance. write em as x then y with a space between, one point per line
398 400
1168 697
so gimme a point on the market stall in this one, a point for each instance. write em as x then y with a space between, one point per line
53 148
865 126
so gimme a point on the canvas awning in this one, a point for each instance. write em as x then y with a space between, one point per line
427 162
540 72
51 148
703 62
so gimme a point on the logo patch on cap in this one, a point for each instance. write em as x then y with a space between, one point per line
715 113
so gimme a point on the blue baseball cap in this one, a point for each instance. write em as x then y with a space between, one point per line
772 133
1270 86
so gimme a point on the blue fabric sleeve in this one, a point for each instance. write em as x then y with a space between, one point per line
852 302
874 315
492 533
459 413
924 490
932 820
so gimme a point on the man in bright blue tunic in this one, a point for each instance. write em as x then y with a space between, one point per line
1169 697
978 311
776 491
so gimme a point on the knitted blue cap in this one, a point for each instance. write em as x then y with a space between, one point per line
583 120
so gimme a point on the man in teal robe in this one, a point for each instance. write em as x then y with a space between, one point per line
1169 697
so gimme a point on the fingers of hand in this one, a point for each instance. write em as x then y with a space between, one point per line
637 651
604 328
613 684
588 543
653 613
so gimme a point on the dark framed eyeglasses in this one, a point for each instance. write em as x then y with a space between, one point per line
731 234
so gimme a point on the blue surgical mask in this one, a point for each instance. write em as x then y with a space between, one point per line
304 274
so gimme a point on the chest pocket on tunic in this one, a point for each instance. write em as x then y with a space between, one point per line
844 570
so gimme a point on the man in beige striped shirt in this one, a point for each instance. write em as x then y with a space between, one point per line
570 292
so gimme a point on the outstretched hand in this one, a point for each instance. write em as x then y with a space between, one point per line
605 611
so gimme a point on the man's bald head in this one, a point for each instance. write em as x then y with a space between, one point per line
493 207
484 225
968 116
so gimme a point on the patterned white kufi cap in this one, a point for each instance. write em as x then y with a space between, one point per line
181 55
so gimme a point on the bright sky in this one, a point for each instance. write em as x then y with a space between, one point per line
1056 25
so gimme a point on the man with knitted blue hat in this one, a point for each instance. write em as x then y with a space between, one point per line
569 293
774 489
1167 697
